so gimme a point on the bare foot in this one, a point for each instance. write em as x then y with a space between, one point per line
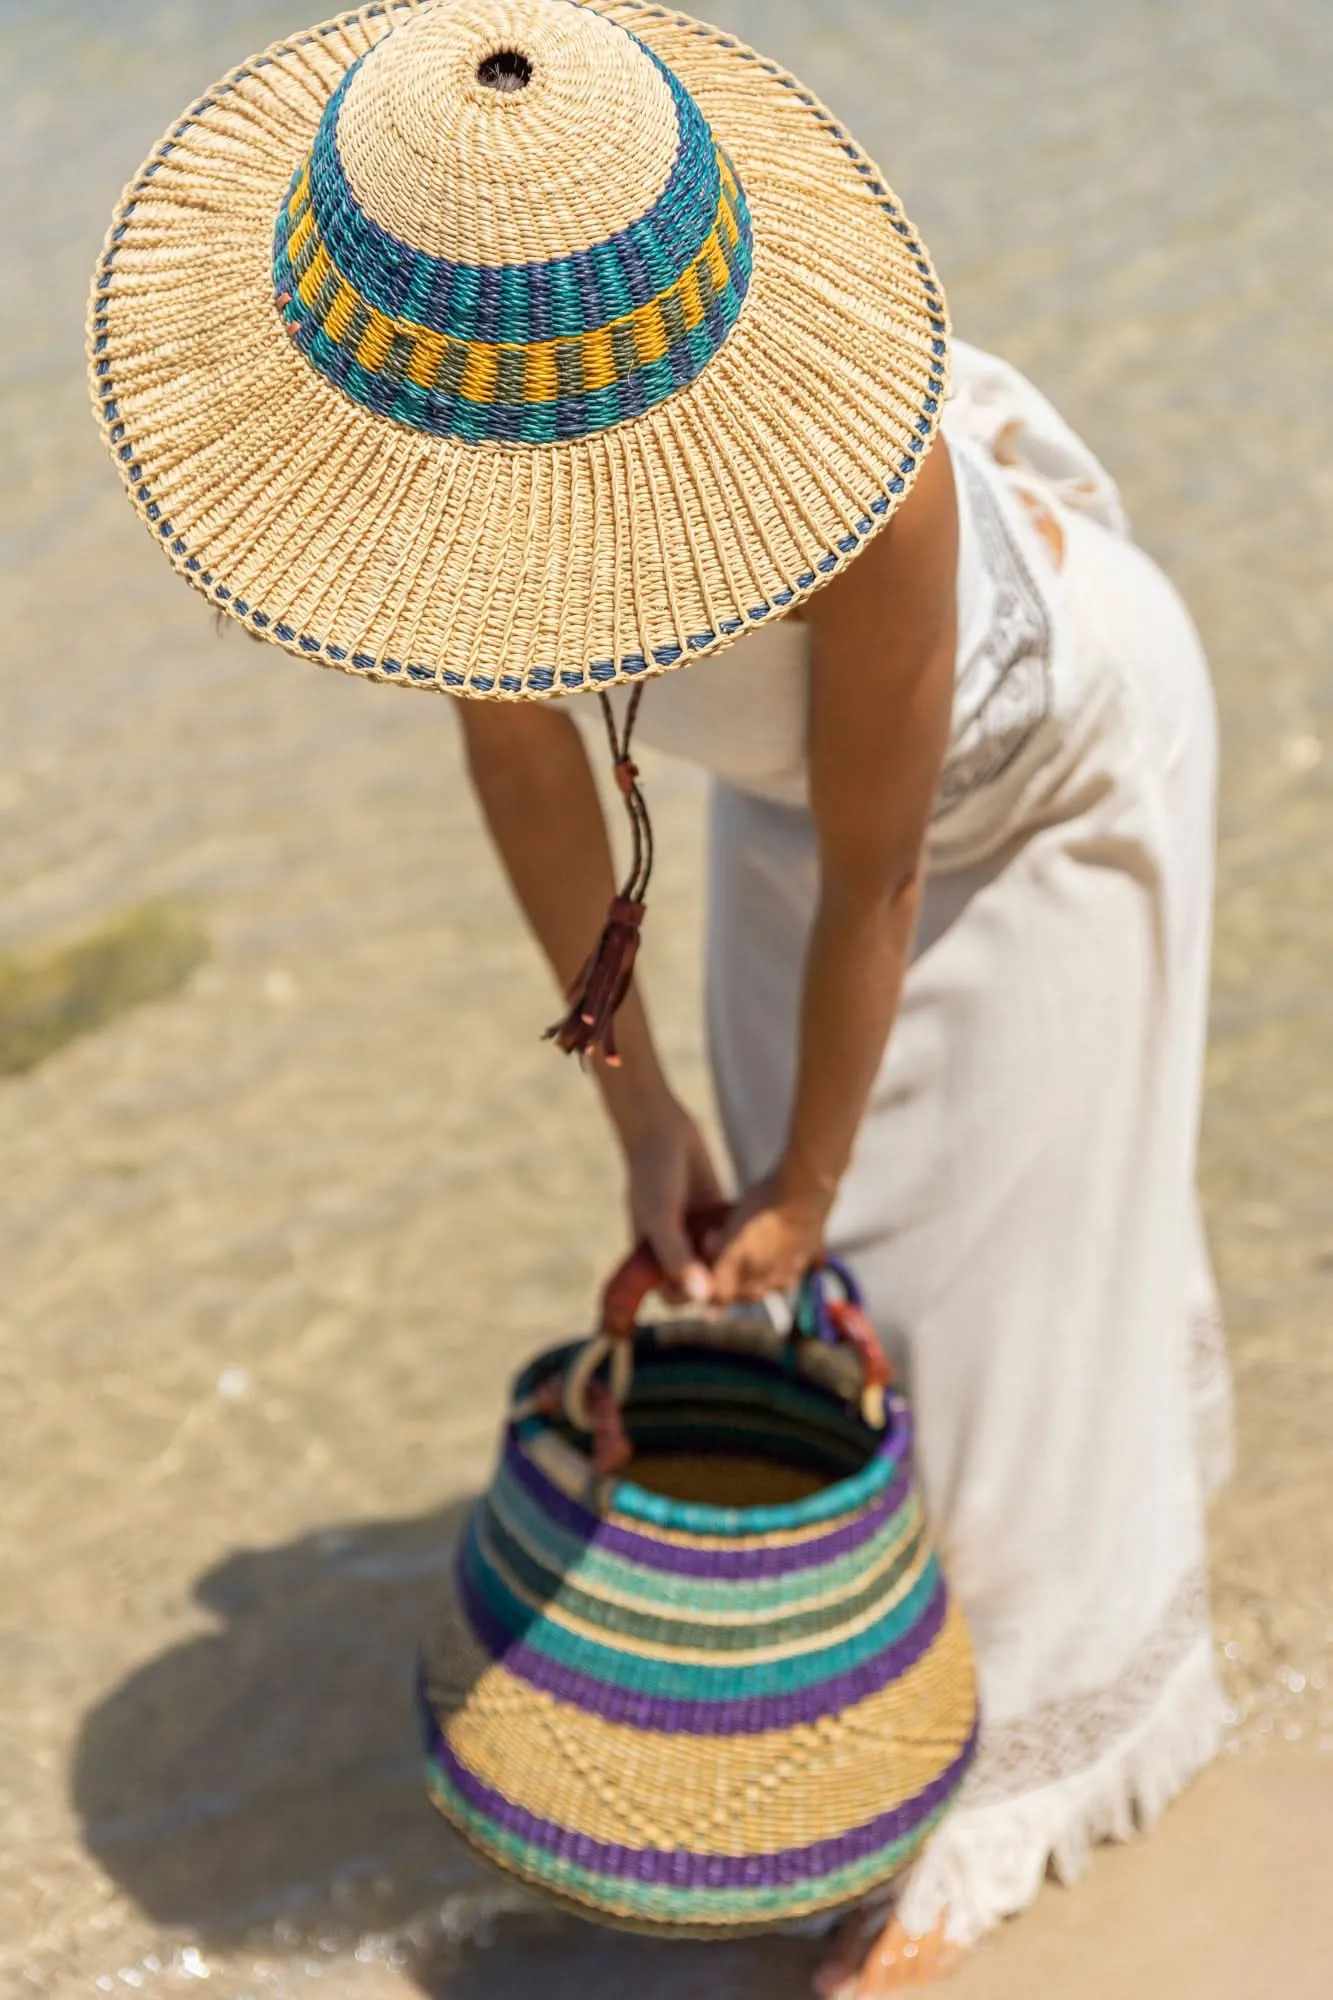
871 1957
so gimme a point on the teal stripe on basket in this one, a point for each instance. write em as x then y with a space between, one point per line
575 1556
677 1681
687 1517
566 1589
834 1502
655 1902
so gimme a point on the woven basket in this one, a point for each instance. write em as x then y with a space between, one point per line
730 1691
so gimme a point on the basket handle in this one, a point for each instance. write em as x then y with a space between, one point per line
595 1407
588 1404
641 1274
843 1317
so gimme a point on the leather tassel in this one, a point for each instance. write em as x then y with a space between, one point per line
600 988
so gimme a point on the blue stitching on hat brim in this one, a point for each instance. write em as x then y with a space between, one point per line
539 681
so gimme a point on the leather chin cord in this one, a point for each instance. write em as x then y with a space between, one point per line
600 989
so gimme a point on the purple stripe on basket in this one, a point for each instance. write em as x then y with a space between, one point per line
679 1869
748 1716
723 1565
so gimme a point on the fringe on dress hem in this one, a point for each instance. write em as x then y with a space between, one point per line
987 1862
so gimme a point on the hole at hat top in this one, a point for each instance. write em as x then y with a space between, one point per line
505 71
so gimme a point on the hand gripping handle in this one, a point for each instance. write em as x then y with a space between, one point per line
641 1274
589 1405
595 1407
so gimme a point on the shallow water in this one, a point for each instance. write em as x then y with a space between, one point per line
272 1246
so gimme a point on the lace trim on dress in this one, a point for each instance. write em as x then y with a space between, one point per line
1065 1735
1071 1773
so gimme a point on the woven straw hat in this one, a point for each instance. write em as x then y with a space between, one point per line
512 347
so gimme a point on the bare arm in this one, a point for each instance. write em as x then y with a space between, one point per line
536 788
883 648
883 645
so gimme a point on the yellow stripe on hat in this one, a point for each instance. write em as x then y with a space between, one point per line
541 384
373 349
691 304
428 351
321 265
650 333
301 233
599 359
300 196
338 317
479 373
647 325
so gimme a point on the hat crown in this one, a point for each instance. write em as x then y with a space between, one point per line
458 168
514 224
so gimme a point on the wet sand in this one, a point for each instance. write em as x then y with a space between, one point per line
271 1246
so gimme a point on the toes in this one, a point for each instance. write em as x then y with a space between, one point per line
836 1976
843 1960
894 1961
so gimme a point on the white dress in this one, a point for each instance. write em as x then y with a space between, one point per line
1021 1206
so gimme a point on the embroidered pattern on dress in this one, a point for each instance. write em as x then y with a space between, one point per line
1004 691
1058 1739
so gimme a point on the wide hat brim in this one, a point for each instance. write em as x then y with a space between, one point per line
498 569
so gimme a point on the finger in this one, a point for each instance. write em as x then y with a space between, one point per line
733 1276
836 1978
722 1235
724 1289
686 1276
710 1241
752 1266
697 1283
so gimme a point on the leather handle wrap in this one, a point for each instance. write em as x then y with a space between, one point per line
641 1274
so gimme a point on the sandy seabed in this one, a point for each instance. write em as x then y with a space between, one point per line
272 1247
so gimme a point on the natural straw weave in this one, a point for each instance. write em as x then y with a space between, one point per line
512 392
702 1718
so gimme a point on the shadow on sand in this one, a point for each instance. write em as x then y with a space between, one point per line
258 1791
